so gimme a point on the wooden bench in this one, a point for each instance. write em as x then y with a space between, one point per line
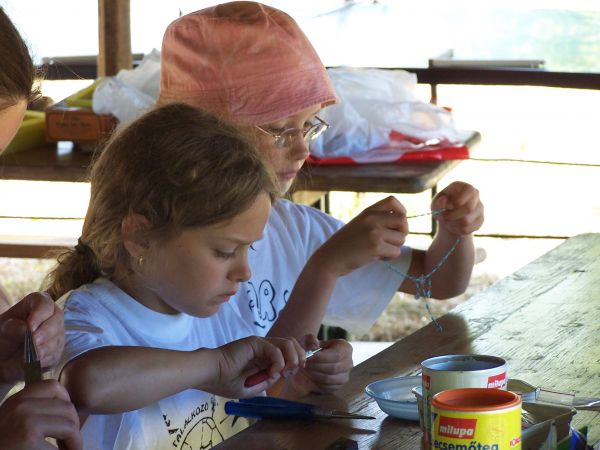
22 246
12 246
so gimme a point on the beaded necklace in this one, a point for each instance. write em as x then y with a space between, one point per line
423 282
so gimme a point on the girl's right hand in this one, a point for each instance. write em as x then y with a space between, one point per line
237 360
376 233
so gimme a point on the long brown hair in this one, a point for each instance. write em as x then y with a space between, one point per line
17 72
177 167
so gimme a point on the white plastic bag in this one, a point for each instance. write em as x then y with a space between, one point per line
373 102
131 92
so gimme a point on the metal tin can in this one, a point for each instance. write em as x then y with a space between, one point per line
459 371
476 418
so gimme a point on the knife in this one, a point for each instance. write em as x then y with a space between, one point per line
530 393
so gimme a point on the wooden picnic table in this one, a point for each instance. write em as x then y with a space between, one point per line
71 164
52 163
541 319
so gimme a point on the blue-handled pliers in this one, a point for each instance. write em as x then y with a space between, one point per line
277 408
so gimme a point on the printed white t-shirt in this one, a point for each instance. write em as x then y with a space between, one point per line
101 314
292 234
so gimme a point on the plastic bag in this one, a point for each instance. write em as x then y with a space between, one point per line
374 103
131 92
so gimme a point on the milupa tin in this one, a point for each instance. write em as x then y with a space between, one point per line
459 371
476 419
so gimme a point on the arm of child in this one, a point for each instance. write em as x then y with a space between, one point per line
376 233
39 411
115 379
463 215
37 312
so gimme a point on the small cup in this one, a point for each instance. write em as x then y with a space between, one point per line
459 371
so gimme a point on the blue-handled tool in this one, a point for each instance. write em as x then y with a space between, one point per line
277 408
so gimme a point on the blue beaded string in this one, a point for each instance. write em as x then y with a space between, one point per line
423 282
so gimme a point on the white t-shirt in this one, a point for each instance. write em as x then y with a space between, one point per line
100 314
292 234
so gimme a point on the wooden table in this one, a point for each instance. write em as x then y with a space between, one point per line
408 177
46 164
51 164
541 319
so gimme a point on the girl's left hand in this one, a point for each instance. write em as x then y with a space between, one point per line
330 368
463 213
325 372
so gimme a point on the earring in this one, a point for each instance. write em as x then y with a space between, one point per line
140 260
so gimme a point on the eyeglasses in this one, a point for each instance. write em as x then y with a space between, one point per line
309 133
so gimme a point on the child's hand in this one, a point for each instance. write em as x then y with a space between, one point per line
330 368
238 360
293 354
376 233
464 210
325 372
38 312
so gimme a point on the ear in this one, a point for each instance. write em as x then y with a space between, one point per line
133 227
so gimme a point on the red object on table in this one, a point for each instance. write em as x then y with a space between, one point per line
263 375
395 152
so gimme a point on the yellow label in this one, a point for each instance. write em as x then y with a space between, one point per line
489 430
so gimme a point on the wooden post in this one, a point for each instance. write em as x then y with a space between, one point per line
114 36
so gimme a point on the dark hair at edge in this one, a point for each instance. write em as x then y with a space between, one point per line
17 72
178 167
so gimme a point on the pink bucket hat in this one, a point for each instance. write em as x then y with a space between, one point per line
244 61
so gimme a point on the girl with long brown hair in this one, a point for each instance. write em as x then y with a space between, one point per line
177 199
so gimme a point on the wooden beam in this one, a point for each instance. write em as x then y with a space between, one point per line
114 32
33 246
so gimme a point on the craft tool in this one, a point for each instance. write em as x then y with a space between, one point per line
31 363
277 408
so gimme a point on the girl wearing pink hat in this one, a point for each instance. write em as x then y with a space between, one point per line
252 65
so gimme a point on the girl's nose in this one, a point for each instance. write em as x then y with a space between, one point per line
241 272
299 149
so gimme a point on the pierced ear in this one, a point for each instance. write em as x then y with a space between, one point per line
132 230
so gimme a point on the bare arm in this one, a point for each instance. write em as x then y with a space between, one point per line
377 232
308 301
462 215
114 379
452 277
